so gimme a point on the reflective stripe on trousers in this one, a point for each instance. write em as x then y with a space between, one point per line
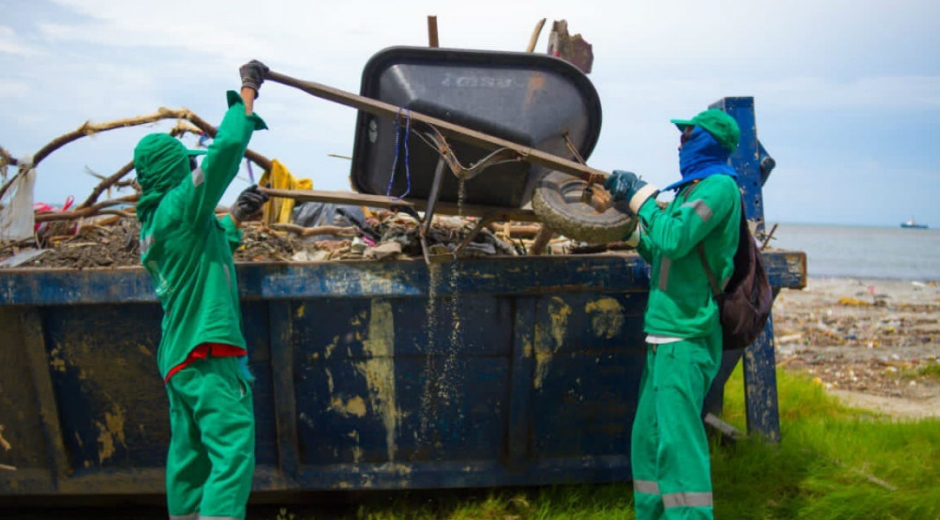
195 516
648 487
687 500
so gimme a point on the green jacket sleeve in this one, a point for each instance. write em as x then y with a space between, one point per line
222 160
233 235
644 246
684 224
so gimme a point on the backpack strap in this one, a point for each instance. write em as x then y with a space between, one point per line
711 276
700 248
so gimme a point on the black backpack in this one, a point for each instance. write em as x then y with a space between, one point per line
745 304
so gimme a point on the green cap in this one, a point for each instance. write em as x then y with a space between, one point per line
722 126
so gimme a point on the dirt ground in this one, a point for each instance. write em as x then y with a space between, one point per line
873 343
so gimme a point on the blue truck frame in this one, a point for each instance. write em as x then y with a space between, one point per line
394 375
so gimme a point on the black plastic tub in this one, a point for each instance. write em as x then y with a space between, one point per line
530 99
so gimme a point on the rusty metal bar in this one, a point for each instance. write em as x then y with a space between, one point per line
432 32
461 133
473 233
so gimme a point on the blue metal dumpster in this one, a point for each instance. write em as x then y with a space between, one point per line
485 372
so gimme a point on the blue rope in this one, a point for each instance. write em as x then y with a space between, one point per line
391 180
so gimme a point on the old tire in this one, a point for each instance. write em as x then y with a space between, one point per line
557 203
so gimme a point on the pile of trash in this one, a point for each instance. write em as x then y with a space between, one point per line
348 233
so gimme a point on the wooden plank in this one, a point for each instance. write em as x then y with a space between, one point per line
535 35
339 197
42 382
381 201
461 133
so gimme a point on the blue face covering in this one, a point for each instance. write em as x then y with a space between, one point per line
701 156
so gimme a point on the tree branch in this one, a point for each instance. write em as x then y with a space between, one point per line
89 128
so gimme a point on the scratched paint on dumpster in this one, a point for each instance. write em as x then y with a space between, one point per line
586 401
379 369
558 314
355 406
3 442
110 433
606 317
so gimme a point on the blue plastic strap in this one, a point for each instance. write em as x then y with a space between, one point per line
391 180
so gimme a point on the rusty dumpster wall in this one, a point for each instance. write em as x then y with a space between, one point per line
483 373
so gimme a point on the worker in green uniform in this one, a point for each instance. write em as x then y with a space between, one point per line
187 249
669 448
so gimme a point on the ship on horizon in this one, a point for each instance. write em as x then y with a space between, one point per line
913 224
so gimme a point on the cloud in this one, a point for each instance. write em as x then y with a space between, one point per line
9 44
12 89
804 61
901 92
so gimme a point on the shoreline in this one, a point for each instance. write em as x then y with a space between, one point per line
873 343
924 280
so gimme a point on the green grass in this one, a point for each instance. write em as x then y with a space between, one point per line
932 370
833 463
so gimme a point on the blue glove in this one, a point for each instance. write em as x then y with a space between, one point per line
626 186
620 184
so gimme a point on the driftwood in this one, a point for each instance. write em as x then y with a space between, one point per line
337 231
5 160
535 35
88 129
90 211
516 230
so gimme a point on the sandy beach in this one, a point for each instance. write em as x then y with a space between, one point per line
873 343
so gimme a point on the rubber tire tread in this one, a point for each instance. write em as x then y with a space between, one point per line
576 221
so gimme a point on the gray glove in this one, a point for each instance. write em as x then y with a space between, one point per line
248 203
253 74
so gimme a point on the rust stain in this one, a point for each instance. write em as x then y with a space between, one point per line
331 347
306 420
3 442
353 407
606 317
536 84
357 450
379 370
110 433
56 361
329 381
558 314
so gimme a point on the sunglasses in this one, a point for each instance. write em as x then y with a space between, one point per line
686 134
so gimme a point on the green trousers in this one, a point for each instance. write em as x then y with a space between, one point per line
212 448
669 449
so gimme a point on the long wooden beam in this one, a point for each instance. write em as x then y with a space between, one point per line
461 133
495 213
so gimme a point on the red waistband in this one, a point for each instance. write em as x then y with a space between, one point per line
205 350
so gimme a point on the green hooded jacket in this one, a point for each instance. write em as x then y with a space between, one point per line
186 249
681 303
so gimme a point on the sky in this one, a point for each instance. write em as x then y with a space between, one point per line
846 93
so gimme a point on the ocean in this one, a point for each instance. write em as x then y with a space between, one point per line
864 252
